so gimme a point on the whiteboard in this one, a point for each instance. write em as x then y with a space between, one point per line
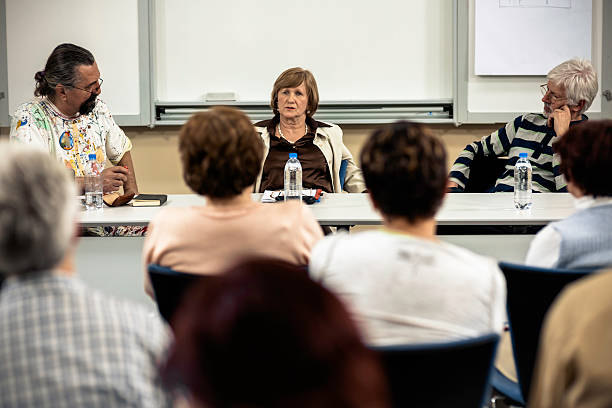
530 32
358 50
500 98
108 29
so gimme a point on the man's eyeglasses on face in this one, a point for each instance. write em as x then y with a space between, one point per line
92 88
553 98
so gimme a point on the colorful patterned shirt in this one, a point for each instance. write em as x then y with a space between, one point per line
526 134
70 139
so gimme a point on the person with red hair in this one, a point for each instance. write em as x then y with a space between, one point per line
264 335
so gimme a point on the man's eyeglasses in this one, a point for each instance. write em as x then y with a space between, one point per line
553 98
92 88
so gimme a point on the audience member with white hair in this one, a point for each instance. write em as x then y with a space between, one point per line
569 91
61 343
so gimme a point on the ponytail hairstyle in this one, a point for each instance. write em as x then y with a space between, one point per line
61 68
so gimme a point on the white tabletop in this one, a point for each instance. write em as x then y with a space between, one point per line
355 209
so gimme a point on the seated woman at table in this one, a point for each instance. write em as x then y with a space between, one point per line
284 342
319 145
221 156
584 239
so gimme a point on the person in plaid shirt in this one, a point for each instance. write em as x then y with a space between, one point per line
63 344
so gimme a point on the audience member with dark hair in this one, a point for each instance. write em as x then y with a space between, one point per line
264 335
221 154
403 284
584 239
63 344
574 365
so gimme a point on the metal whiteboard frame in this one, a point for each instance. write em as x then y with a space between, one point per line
346 116
141 119
462 67
4 114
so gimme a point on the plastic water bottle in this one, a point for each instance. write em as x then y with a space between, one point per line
293 178
522 183
93 184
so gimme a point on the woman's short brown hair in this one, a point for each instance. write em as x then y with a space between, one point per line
586 156
291 78
404 167
221 152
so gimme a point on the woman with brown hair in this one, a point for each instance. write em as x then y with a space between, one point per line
319 146
221 156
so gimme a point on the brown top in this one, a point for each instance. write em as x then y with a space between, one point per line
574 367
315 172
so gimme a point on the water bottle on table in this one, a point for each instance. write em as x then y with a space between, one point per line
522 183
93 184
293 178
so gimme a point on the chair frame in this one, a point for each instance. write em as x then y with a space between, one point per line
525 328
426 354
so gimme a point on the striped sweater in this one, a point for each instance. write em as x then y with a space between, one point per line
527 133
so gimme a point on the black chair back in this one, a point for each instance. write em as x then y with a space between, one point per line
453 374
169 287
531 291
484 172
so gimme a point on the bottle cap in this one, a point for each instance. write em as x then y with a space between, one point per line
92 156
521 155
293 155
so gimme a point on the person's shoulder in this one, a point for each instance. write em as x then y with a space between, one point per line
537 119
597 285
470 259
130 315
27 108
342 243
262 126
327 128
172 216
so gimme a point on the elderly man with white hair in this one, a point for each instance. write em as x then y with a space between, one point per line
61 343
568 93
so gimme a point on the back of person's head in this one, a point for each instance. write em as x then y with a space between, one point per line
37 210
579 79
586 156
264 335
61 68
404 167
221 152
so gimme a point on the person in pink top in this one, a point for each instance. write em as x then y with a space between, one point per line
222 154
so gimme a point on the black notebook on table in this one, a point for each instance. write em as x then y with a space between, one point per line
149 200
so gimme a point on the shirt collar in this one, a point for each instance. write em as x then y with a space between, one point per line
589 201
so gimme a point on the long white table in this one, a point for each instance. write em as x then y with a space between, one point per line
459 209
114 264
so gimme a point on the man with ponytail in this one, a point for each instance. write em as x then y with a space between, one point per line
69 120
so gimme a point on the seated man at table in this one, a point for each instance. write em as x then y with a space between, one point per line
69 120
401 283
571 87
63 344
584 239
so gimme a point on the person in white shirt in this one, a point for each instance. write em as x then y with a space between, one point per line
401 283
584 239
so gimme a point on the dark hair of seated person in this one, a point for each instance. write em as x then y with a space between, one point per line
405 171
220 151
264 335
586 156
